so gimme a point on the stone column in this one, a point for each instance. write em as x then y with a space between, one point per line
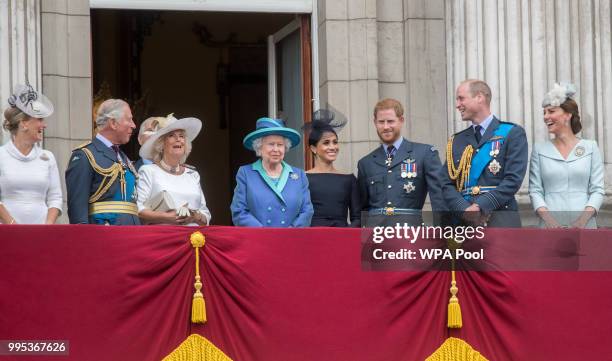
66 77
20 46
348 76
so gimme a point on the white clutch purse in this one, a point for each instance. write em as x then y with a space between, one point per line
161 202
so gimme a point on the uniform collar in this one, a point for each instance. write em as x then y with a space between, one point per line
104 140
396 144
485 123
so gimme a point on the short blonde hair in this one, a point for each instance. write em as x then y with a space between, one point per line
389 103
476 86
158 148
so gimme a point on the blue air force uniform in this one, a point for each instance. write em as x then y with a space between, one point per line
401 184
497 166
101 187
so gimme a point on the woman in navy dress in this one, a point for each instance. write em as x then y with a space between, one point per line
335 196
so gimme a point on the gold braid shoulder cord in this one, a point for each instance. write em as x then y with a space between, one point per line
110 174
462 172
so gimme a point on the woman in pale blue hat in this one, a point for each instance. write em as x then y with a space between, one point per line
270 192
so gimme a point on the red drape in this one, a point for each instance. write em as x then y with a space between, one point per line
124 293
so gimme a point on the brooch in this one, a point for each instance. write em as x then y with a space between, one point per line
409 187
494 167
294 176
579 151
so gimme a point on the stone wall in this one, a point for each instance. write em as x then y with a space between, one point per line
66 77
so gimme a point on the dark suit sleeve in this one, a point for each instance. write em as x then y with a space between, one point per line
355 206
78 184
434 183
515 162
453 200
362 181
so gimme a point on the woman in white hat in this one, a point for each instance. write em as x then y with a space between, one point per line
30 189
169 191
566 175
270 192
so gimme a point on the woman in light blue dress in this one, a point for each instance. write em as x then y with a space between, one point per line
566 175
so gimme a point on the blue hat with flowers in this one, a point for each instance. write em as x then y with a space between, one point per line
269 126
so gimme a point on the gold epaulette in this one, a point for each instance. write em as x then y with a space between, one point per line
83 145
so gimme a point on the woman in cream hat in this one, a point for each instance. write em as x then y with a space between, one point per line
169 191
270 192
30 189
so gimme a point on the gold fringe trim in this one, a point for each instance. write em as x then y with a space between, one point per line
455 349
198 306
197 348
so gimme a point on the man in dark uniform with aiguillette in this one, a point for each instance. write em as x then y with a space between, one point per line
100 179
395 178
486 162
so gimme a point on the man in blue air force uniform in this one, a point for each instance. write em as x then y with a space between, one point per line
486 162
395 178
100 179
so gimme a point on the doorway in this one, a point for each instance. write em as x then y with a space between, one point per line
211 65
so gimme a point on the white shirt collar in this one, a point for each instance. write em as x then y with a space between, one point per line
104 140
485 123
396 144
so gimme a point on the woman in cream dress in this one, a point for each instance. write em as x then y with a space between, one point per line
169 147
30 188
566 176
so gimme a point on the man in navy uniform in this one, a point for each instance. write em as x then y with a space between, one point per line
395 178
486 162
100 179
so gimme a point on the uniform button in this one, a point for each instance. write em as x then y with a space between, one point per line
283 209
389 171
372 182
389 186
388 203
282 222
269 209
269 221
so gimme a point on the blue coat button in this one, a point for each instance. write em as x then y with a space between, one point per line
269 208
269 221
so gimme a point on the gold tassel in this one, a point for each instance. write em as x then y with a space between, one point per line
198 306
454 310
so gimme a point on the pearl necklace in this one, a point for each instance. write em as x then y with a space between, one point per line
169 169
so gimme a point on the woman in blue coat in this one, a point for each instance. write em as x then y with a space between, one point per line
270 192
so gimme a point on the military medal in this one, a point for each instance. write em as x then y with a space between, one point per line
409 187
404 172
409 168
388 161
579 151
494 167
495 147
